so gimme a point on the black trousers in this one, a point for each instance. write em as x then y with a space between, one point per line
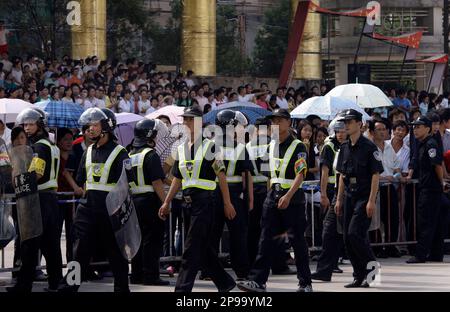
254 232
429 227
93 224
333 242
356 238
275 223
198 250
238 230
145 264
48 243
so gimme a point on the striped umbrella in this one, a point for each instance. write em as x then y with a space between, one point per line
62 114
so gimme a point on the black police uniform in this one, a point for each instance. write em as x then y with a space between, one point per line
238 227
198 248
254 219
332 241
430 192
92 222
49 241
275 222
145 265
357 163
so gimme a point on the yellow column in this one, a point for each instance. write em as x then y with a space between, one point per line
199 37
309 66
89 38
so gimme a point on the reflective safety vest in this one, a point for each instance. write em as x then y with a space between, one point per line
331 178
100 170
52 182
280 165
190 169
232 155
137 160
255 152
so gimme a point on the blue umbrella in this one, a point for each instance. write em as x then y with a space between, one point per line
252 113
62 114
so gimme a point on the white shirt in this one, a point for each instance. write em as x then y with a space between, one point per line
215 103
88 103
7 65
246 98
17 74
389 159
444 103
125 106
282 103
403 157
101 103
189 82
144 105
202 101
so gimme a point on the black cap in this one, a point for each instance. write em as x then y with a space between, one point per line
422 120
350 114
193 111
280 112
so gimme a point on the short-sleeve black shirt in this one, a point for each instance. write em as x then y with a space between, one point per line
359 161
429 156
152 166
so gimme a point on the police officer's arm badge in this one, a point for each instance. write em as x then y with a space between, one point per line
300 165
37 165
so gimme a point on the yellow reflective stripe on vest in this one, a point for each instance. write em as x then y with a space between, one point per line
255 152
52 182
193 180
137 160
281 177
103 184
331 179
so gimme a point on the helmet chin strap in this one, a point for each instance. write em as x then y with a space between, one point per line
97 139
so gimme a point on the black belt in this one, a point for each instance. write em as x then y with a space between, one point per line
197 195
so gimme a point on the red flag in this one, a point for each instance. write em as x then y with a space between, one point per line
363 12
411 40
437 59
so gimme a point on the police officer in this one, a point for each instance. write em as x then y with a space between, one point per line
284 208
46 165
238 176
195 171
428 166
332 240
100 170
359 163
257 149
148 193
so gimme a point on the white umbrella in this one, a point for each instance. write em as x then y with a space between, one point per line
365 95
10 108
326 107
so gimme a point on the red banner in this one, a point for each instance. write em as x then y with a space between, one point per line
363 12
411 40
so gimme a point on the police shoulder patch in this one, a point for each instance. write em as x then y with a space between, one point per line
301 155
432 152
377 155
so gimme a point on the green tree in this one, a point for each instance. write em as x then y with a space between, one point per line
272 40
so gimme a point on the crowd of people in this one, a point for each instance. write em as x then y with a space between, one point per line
135 87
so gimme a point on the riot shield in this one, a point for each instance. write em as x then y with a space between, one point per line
29 215
123 216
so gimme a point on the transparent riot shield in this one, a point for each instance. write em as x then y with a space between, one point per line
27 198
122 214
